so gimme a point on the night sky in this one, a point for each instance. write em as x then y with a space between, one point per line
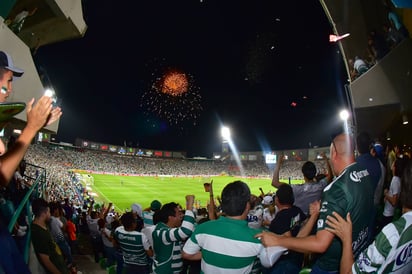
247 60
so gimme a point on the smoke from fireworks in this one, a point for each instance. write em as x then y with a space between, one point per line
174 97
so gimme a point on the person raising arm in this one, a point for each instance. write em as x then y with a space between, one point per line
39 114
347 193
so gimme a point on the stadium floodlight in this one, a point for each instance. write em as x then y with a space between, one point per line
225 132
347 123
49 92
344 115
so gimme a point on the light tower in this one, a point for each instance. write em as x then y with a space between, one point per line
347 122
225 133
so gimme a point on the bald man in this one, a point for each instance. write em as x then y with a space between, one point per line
351 191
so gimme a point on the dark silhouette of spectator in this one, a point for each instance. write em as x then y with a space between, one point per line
377 46
68 209
119 254
17 24
47 251
288 221
11 258
396 23
392 37
377 171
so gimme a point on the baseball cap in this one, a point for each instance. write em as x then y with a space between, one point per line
155 205
137 208
379 150
267 200
109 218
7 63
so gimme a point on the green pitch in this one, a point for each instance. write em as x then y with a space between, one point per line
122 191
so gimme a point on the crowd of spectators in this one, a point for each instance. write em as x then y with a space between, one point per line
379 42
59 161
74 211
72 206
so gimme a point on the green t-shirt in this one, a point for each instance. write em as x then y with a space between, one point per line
43 243
352 191
134 245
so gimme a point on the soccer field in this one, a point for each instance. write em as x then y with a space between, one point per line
122 191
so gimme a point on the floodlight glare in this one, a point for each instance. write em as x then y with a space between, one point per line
49 92
344 115
225 131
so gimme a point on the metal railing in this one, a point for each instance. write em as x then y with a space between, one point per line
35 191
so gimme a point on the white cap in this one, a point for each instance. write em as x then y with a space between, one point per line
109 219
267 200
137 208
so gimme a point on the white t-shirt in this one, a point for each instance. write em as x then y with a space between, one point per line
22 15
268 216
106 233
255 217
395 188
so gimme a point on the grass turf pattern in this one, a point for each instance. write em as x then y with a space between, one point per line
123 191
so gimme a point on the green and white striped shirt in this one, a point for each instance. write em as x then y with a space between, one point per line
391 252
227 245
167 245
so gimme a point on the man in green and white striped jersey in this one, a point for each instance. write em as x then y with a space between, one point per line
172 228
227 245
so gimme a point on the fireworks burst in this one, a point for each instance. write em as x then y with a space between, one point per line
174 83
173 97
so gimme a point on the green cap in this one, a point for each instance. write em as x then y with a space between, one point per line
155 205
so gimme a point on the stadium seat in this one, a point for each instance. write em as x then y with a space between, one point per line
305 271
102 263
111 269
